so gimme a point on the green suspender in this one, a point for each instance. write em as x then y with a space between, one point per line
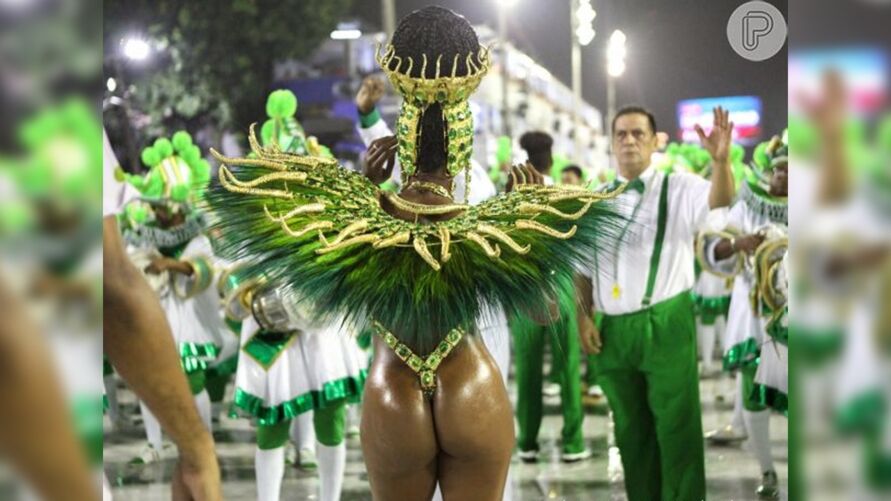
657 247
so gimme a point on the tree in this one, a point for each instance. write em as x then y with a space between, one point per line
214 61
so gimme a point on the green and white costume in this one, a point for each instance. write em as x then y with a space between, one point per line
176 180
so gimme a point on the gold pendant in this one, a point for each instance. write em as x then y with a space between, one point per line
616 291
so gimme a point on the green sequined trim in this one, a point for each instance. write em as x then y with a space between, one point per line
349 388
814 348
878 469
770 397
864 413
710 308
373 117
742 354
174 251
234 325
265 347
87 413
226 367
194 357
107 369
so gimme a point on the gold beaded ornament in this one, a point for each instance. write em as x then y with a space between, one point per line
447 89
425 368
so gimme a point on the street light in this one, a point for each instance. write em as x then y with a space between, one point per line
346 31
615 54
615 67
136 49
582 23
504 6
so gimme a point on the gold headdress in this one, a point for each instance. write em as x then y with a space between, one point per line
447 89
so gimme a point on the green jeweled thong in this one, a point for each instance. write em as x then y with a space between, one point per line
425 368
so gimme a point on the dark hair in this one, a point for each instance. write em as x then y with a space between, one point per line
573 168
433 31
635 110
538 146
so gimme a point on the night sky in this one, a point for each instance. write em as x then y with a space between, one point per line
677 49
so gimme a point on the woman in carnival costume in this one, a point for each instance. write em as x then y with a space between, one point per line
291 365
165 233
758 218
416 264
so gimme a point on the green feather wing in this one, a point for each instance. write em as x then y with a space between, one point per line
318 228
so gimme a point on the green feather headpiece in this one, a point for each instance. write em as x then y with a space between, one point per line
64 157
282 128
177 171
765 158
284 131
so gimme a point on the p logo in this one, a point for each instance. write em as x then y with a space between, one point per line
756 30
756 25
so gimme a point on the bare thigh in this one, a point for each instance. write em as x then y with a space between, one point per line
398 439
474 427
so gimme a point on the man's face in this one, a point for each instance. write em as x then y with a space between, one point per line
570 177
166 217
779 181
633 140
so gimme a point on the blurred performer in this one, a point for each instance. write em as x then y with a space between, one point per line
711 294
220 372
529 341
50 300
572 175
759 215
537 145
414 265
646 362
165 232
290 366
139 344
499 172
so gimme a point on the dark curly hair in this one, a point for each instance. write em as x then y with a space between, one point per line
433 31
538 146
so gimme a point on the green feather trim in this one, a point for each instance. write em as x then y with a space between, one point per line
394 285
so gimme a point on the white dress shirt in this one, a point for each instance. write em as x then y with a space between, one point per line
627 263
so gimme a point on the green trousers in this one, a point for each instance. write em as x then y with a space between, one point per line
591 370
529 341
647 370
